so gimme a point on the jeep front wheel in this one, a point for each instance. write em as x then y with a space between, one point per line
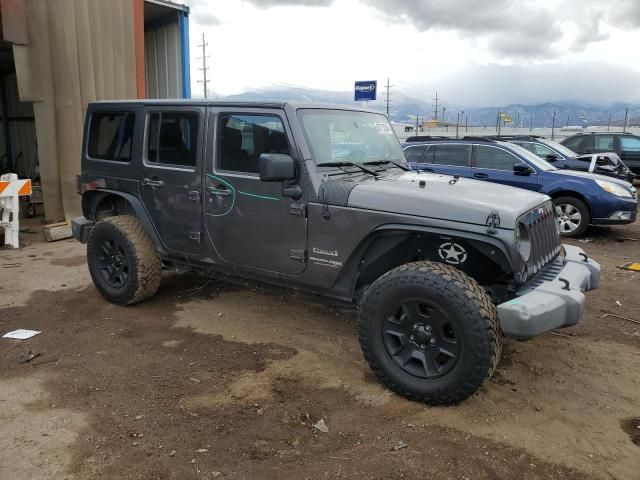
429 332
123 261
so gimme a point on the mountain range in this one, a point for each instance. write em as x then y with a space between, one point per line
404 109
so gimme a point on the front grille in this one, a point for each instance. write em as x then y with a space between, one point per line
544 236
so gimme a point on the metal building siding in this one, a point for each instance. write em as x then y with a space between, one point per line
163 61
22 131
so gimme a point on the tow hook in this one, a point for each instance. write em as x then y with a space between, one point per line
584 255
566 283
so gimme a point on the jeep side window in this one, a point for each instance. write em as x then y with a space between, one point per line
172 138
414 154
243 138
495 158
454 155
110 135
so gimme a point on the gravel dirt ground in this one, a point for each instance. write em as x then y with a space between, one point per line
213 380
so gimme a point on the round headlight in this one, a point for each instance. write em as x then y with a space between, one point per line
523 241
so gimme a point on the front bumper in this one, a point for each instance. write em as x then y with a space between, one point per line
553 298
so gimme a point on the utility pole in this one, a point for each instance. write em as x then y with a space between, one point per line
531 124
517 119
457 123
498 123
609 123
204 81
466 123
444 119
567 119
417 117
387 86
626 116
553 124
435 108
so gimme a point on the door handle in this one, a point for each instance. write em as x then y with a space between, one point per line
480 175
220 192
428 170
152 183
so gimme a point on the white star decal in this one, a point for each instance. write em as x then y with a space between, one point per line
452 253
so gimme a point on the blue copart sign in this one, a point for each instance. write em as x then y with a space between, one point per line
365 90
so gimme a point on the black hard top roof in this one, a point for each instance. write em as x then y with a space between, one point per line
230 103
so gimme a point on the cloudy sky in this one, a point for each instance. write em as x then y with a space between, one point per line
473 52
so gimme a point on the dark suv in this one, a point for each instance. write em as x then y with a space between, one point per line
580 198
603 163
626 145
321 199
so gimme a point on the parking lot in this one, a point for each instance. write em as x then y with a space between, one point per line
216 380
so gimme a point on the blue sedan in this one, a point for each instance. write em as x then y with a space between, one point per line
580 198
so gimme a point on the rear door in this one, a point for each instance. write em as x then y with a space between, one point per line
450 158
495 164
171 181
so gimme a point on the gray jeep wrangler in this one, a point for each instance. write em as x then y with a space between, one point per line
320 198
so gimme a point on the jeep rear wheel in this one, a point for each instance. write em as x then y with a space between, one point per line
429 332
123 261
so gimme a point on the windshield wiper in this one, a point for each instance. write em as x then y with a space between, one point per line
348 164
382 162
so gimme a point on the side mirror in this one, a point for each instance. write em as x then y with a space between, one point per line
552 157
522 169
276 167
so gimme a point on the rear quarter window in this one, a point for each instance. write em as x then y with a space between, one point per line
110 136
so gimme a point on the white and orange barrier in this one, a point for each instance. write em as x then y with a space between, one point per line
10 190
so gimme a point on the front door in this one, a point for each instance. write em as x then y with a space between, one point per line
249 221
630 151
495 164
170 181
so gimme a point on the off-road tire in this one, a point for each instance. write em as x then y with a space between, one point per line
584 213
468 308
144 264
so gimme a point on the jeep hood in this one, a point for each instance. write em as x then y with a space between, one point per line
464 200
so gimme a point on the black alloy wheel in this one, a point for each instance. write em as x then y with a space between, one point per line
421 339
114 264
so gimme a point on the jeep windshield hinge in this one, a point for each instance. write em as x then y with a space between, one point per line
493 222
298 254
194 236
298 209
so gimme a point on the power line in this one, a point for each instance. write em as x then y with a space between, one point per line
387 86
204 81
435 108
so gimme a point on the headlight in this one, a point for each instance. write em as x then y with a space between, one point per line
523 241
614 189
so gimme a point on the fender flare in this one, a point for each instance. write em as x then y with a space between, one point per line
348 278
89 210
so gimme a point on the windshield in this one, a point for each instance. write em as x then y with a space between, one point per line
347 136
558 147
532 157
